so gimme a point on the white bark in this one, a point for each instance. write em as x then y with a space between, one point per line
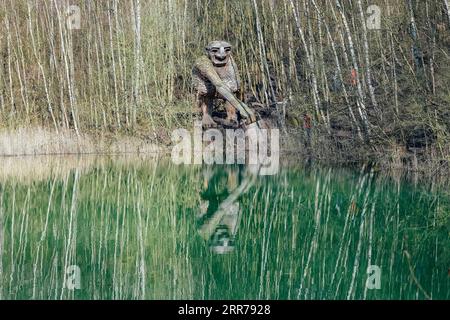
367 58
41 68
67 53
113 60
361 106
447 6
263 57
413 21
136 7
394 68
339 69
309 61
8 37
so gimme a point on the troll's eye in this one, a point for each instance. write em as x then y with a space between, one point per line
227 49
214 50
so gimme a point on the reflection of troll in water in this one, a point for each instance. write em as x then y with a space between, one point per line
220 210
216 76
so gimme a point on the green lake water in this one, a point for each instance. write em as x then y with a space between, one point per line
122 228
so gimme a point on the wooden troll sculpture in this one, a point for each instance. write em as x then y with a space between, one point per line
215 77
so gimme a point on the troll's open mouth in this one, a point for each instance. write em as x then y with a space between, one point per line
220 60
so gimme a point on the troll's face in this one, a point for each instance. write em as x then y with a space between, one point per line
219 53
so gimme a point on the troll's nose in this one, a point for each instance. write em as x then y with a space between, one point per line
222 53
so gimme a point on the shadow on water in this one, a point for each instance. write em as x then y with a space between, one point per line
141 228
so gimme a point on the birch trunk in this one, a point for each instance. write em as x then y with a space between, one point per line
339 69
309 61
263 57
67 53
113 61
41 68
136 9
11 91
367 58
447 7
360 103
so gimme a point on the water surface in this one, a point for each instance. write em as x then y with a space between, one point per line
147 229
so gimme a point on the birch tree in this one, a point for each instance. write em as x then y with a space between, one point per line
263 57
136 9
315 91
360 103
447 7
339 69
367 57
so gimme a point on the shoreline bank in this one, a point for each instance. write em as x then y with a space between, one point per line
39 141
